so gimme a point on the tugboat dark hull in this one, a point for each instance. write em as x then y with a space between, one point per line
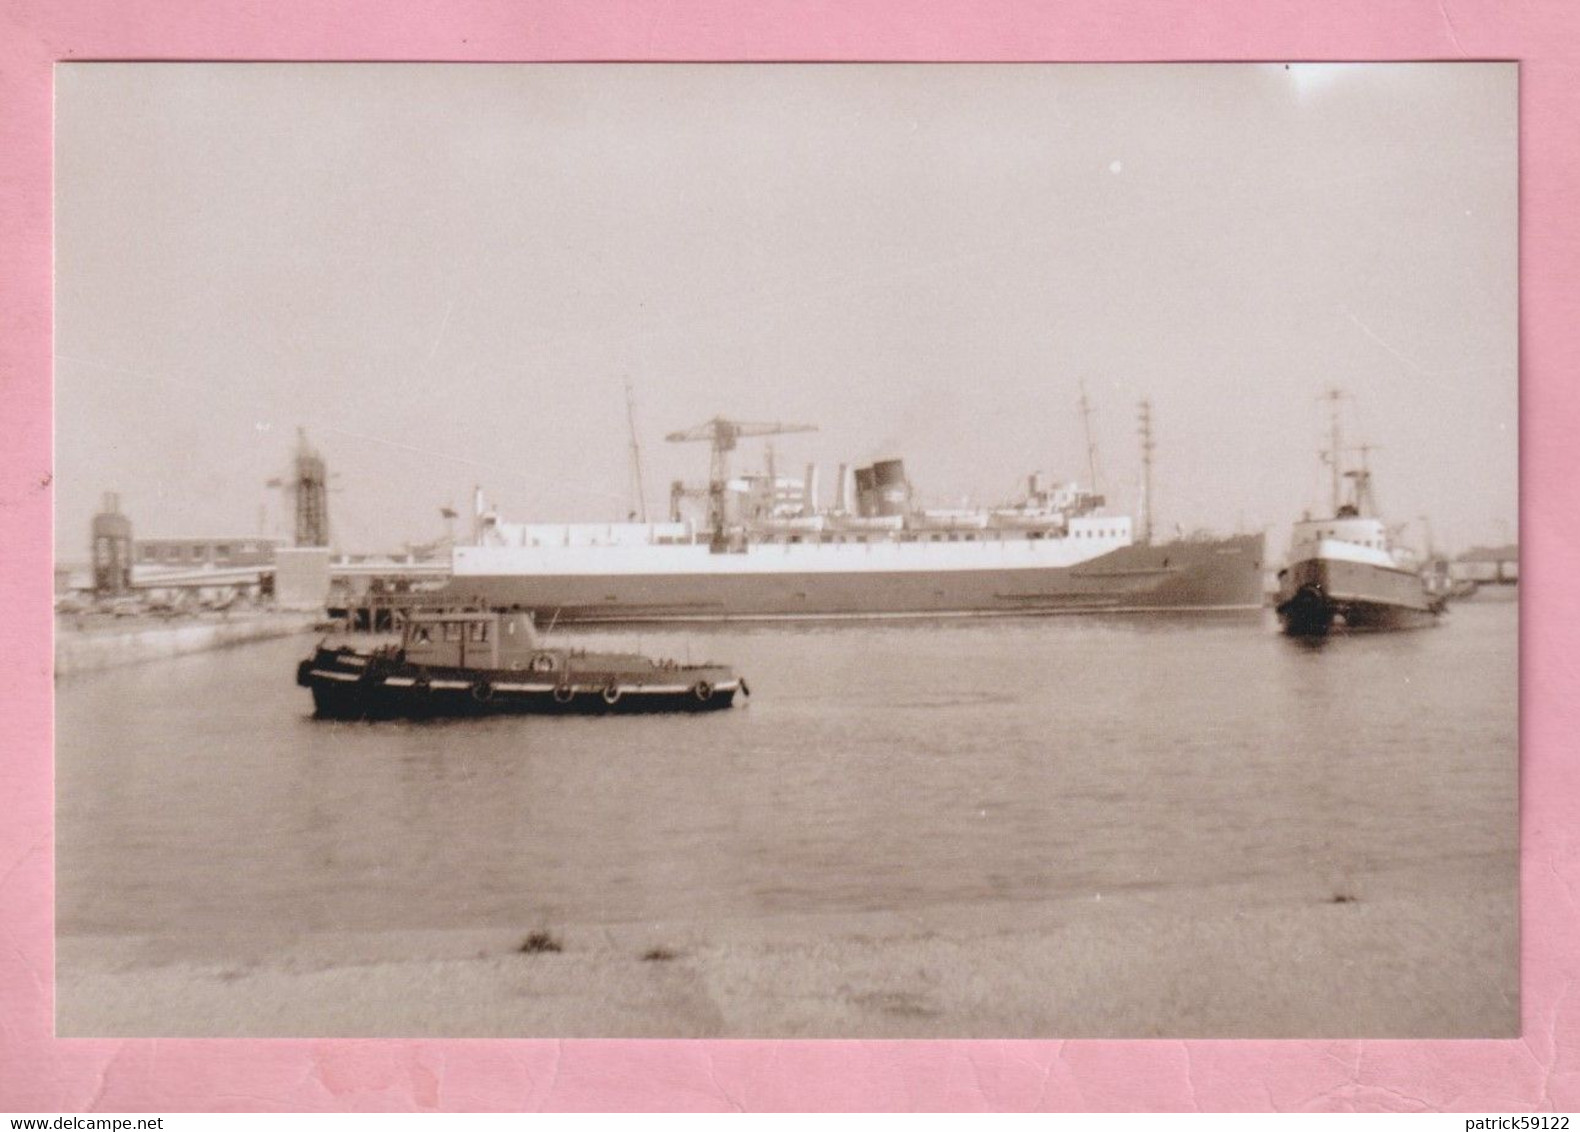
1320 596
349 685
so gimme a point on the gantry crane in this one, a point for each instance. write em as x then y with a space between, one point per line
722 435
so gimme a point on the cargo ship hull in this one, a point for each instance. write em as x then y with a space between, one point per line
763 583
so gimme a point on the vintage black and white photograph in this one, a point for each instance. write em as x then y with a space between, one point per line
787 550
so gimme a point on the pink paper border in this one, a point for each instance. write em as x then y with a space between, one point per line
1539 1071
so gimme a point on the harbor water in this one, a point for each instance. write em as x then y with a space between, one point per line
983 769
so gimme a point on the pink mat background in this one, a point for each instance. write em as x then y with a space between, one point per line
1539 1071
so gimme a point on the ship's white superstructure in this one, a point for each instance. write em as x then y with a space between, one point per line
664 548
1350 538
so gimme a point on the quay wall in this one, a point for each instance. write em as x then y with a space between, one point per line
89 649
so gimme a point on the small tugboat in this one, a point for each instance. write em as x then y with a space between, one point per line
1344 572
486 663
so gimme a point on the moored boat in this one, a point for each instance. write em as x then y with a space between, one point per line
1344 571
487 663
768 549
1344 575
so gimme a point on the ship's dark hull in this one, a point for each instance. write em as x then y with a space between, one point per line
345 685
1208 575
1320 596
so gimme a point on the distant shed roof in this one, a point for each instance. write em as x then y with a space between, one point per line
1509 553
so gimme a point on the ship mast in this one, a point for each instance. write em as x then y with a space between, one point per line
1091 445
1147 445
1364 503
1334 396
636 456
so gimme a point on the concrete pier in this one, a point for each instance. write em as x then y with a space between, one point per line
88 643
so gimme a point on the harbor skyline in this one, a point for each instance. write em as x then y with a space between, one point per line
447 276
1018 759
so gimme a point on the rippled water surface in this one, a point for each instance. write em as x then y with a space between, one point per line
877 768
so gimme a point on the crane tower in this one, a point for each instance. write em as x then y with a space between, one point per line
722 435
308 486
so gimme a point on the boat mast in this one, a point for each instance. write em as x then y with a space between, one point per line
1147 445
636 456
1363 482
1091 446
1333 397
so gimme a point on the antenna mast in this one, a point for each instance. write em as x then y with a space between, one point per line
1147 445
636 456
1091 447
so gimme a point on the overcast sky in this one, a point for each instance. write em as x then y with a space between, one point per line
447 273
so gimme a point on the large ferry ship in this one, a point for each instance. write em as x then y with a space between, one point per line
765 549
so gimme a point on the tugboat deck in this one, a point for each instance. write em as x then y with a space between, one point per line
472 663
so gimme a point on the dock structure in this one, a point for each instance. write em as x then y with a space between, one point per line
1488 566
301 577
165 574
94 644
190 572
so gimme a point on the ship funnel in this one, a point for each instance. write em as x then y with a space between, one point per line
842 502
892 490
866 493
809 491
